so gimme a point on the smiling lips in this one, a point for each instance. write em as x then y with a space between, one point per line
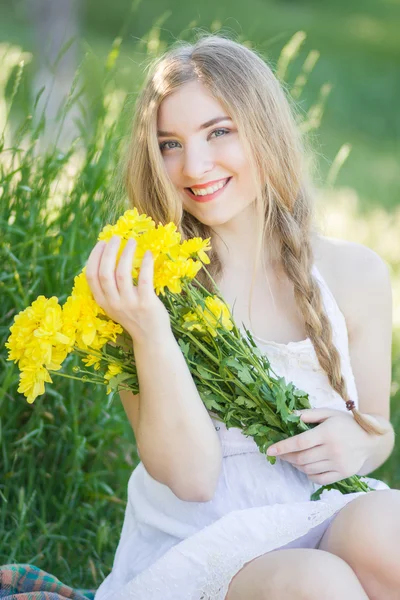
207 197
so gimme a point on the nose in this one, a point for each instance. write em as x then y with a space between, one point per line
198 161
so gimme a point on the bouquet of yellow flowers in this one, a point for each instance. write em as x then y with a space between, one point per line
234 378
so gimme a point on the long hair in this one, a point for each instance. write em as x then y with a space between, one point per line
246 87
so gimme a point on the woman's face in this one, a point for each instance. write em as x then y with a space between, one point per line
197 152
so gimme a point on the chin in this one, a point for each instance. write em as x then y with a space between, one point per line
218 216
213 220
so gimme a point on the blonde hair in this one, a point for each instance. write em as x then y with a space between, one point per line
245 86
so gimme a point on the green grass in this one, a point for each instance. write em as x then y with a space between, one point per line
66 459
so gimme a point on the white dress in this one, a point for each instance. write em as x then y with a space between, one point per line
170 549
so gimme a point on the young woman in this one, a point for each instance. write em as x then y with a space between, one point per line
216 149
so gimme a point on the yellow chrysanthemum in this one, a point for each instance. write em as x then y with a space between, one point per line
192 267
112 370
45 333
219 311
37 334
130 225
81 288
173 259
159 241
195 324
170 273
32 379
91 360
109 330
82 315
58 355
196 247
214 316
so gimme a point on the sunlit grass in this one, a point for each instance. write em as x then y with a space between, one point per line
66 459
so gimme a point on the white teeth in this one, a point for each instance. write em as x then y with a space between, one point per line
209 190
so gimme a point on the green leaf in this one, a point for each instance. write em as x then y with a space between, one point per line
299 393
272 419
267 393
280 396
256 350
245 376
117 379
293 418
184 346
241 400
249 403
204 373
211 403
229 361
252 429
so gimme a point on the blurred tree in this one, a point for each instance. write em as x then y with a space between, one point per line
56 31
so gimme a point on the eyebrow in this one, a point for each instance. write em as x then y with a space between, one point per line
204 126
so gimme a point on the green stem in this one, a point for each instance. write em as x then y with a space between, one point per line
187 333
239 339
116 361
77 378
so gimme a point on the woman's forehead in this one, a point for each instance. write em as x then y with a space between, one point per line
190 106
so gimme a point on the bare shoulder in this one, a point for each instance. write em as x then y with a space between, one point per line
355 274
347 258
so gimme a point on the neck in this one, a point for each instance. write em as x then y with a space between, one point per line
236 242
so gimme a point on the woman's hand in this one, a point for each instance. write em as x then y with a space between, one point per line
136 308
336 449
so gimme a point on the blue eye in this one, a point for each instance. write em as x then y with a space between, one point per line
222 129
163 145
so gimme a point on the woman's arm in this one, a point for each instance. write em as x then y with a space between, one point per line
175 436
368 309
370 343
176 439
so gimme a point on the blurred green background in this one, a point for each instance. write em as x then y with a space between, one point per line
359 50
65 460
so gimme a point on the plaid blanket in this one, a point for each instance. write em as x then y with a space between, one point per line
27 582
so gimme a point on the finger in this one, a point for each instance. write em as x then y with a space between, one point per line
107 271
92 272
326 478
316 415
316 468
123 273
297 443
315 454
146 275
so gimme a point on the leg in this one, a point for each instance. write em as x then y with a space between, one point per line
296 574
366 534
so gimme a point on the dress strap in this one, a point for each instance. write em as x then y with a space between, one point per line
330 303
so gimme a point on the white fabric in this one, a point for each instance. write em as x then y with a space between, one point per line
175 550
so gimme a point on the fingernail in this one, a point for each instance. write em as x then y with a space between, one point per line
271 451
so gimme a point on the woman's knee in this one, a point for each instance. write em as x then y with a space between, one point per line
301 574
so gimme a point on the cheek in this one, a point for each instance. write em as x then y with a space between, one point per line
171 168
234 158
239 165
